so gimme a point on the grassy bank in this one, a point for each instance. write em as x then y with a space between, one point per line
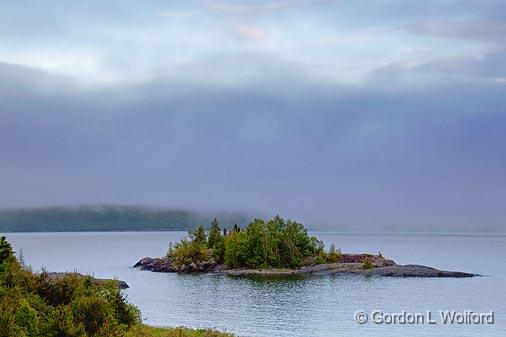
147 331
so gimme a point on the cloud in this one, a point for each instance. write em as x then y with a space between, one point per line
489 30
240 7
250 33
195 117
178 14
328 154
491 68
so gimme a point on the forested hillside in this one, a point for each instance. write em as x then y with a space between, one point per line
107 218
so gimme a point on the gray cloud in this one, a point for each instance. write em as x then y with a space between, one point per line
374 156
485 30
170 110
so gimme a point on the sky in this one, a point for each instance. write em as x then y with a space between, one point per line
346 115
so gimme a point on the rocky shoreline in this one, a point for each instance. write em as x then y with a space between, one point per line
97 281
349 264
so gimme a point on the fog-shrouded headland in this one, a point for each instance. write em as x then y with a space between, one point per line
108 218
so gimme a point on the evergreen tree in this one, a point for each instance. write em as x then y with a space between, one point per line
198 235
276 243
170 251
214 234
5 249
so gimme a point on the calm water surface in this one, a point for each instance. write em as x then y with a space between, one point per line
316 307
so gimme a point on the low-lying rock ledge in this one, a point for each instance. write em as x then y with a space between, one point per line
98 281
353 269
349 264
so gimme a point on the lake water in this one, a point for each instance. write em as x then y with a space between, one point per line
308 307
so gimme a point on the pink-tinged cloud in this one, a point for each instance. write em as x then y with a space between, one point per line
238 8
250 33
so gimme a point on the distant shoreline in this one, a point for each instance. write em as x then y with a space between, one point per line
310 231
109 218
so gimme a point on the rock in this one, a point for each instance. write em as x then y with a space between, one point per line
167 265
164 266
98 281
352 269
315 268
122 284
415 271
349 264
148 263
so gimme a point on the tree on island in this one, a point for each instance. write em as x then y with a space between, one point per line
276 243
216 241
214 234
198 235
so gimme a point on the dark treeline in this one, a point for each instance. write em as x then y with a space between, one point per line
105 218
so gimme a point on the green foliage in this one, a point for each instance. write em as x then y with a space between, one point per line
319 259
93 312
367 263
198 235
216 241
5 252
214 234
27 319
235 249
170 250
187 252
334 255
275 243
34 305
146 331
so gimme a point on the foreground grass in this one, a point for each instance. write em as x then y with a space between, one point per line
147 331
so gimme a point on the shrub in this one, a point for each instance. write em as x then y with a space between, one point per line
62 323
367 263
319 259
334 255
187 252
276 243
72 306
93 312
27 319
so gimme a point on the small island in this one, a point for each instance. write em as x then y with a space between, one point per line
276 247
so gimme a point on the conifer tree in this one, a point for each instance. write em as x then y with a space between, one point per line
198 235
214 234
5 249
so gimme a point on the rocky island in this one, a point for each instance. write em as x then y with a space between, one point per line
97 281
274 248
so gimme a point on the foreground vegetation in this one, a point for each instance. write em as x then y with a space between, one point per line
147 331
276 243
33 305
